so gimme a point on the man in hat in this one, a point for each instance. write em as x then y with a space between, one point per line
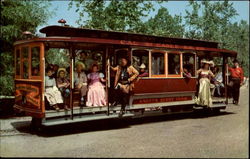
124 81
80 80
143 72
237 77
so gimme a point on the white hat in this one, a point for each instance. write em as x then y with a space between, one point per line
142 65
205 61
211 63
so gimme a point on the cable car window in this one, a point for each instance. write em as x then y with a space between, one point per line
25 56
18 62
173 64
158 67
25 52
140 61
35 61
189 63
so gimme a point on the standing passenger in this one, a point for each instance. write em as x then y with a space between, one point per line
124 78
204 95
80 80
52 93
96 92
237 76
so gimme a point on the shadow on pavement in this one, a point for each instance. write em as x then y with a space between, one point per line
102 125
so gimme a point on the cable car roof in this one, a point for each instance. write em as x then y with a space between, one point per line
65 31
56 34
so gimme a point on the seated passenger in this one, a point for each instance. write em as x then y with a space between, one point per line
96 92
217 80
142 72
186 73
80 80
177 69
64 85
52 93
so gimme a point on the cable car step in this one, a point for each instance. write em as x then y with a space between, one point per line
215 105
76 119
79 110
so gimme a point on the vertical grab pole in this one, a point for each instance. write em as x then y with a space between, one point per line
226 83
225 78
72 58
107 77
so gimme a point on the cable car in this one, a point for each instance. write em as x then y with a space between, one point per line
164 90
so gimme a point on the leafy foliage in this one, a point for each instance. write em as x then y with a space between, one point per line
112 15
163 24
211 21
16 17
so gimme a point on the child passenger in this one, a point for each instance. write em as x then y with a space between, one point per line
63 85
96 93
52 93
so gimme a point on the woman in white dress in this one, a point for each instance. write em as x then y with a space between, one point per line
204 95
52 93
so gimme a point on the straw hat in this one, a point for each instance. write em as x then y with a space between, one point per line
211 63
82 65
205 62
61 69
142 66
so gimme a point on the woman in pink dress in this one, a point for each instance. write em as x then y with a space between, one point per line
96 92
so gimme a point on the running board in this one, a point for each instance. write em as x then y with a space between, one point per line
214 106
77 119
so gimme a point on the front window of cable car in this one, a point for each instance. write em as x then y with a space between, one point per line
25 60
18 59
35 61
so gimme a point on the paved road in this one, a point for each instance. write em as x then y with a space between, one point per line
191 135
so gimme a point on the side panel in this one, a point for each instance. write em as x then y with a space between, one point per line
151 85
28 97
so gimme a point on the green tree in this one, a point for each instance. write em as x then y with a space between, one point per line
16 17
112 15
163 24
211 21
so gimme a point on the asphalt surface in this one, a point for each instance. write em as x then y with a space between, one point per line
196 135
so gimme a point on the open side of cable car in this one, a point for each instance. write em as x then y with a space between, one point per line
164 90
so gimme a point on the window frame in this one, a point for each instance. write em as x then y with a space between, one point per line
29 60
40 59
181 65
195 61
18 75
150 63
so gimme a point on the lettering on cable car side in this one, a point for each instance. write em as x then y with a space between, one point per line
29 92
160 100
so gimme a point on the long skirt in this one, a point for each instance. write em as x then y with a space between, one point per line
96 95
53 96
204 96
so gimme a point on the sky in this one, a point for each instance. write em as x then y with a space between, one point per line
60 9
